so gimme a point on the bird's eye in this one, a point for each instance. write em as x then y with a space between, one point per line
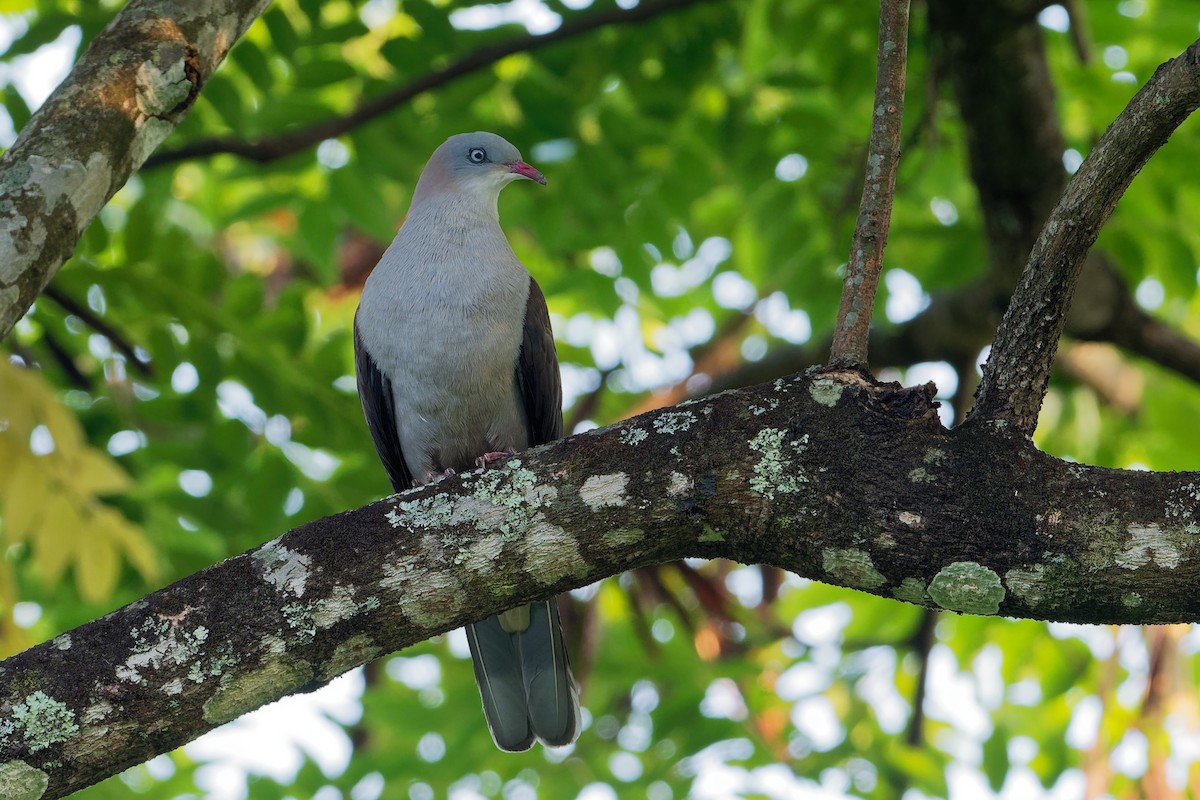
477 155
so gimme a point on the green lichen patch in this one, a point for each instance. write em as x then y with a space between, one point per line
1028 584
825 391
674 422
39 721
422 514
711 534
1152 544
912 590
776 471
19 781
1132 600
634 436
622 537
934 456
349 654
243 694
968 588
921 475
851 567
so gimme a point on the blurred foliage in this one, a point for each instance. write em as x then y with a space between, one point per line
704 174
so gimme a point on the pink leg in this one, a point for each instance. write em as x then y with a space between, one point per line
487 459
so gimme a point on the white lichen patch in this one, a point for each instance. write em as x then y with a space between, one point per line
775 471
634 436
160 90
1183 507
968 588
551 554
1150 544
96 712
242 694
161 641
37 722
679 485
852 567
604 491
19 781
912 590
1028 584
825 391
435 602
622 537
910 518
674 422
480 556
62 641
173 687
284 568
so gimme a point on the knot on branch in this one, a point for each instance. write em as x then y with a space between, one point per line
889 398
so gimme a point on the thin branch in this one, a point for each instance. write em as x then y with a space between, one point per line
1016 374
851 332
277 147
100 326
922 642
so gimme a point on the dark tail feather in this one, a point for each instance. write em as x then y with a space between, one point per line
525 681
498 673
553 705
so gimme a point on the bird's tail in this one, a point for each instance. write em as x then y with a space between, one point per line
524 679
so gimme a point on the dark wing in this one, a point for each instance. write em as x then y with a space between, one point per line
537 372
375 392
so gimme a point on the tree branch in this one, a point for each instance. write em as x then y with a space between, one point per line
1016 374
831 477
100 326
276 147
850 333
129 89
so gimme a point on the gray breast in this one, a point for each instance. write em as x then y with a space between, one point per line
448 335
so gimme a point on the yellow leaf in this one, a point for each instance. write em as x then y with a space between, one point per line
25 499
55 539
96 473
96 568
107 522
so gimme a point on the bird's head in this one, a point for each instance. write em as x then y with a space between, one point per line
478 163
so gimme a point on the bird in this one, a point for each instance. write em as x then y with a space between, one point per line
457 368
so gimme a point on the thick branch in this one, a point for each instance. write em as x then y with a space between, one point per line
131 87
851 331
276 147
825 475
1015 377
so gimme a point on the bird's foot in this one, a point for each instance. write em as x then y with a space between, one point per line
487 459
433 476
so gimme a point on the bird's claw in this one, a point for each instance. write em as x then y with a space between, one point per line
433 476
487 459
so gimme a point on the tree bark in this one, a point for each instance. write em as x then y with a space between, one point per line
828 475
128 91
